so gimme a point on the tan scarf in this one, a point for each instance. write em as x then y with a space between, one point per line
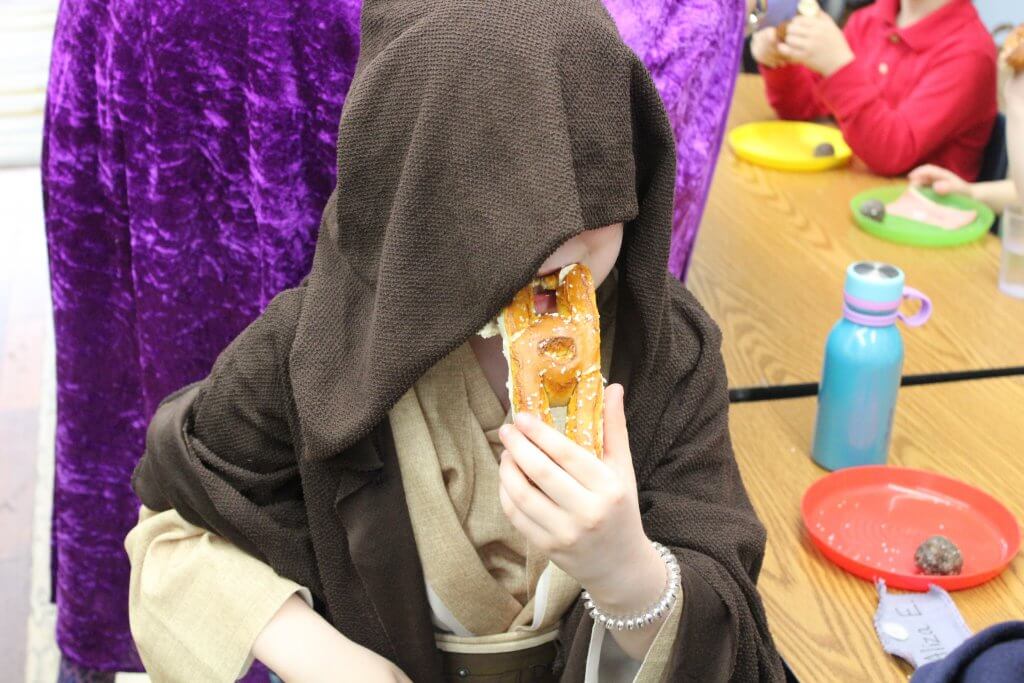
485 585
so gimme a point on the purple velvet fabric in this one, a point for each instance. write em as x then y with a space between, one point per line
189 150
692 49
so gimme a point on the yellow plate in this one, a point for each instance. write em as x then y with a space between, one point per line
788 145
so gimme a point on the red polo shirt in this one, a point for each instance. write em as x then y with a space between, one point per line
925 93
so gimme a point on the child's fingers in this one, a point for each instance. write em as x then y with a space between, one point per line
766 35
925 175
570 456
616 435
534 533
525 497
563 489
801 26
800 34
919 177
797 42
919 172
941 180
789 52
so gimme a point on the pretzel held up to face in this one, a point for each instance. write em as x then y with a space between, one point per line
554 358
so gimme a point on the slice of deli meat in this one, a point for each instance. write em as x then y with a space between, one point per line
914 206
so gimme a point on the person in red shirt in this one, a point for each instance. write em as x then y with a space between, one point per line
997 194
908 81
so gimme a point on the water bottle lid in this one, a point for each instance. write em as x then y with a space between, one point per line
874 282
873 294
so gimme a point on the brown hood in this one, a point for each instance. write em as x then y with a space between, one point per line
474 140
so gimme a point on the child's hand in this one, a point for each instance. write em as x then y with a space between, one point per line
942 180
817 43
582 512
1013 85
1014 94
764 46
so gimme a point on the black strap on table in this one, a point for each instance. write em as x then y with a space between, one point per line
745 394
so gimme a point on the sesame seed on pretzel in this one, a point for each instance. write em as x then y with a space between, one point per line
554 358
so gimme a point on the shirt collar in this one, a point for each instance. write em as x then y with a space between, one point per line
922 34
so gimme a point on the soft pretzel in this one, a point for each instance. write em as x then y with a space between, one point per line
554 359
1014 48
781 30
806 8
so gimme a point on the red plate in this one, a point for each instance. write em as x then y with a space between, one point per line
870 520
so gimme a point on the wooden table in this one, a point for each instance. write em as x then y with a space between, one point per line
821 617
770 261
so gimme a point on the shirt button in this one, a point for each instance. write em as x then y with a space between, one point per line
883 68
462 672
894 38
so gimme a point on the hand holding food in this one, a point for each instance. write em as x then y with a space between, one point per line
764 46
816 42
942 180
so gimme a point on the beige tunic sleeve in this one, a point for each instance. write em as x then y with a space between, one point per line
606 661
655 663
196 602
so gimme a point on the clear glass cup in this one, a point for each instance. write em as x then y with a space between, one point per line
1011 270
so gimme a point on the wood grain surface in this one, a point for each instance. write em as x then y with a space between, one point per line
770 261
821 617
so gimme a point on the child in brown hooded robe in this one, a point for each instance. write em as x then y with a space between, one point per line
354 440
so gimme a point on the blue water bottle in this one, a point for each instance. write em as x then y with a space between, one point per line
863 364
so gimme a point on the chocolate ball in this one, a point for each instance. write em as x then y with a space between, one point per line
873 209
825 149
939 556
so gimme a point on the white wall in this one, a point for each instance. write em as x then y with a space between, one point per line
995 12
26 32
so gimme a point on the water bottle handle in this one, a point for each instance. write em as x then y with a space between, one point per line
922 315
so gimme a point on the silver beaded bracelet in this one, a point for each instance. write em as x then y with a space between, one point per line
650 615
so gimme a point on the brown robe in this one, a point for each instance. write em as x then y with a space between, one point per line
477 136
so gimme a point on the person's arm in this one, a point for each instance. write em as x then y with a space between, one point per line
889 139
300 645
1014 92
996 194
196 604
220 454
689 498
200 609
893 139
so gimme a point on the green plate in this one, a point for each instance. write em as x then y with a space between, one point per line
904 231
